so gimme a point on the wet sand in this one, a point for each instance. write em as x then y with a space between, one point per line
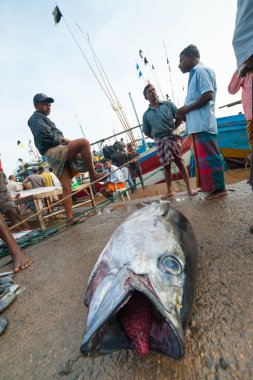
47 320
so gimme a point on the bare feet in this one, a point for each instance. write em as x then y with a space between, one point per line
216 194
26 227
167 195
71 221
192 192
20 261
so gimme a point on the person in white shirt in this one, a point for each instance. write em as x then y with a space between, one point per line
114 178
13 186
56 182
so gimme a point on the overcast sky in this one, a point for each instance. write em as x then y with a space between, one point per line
37 56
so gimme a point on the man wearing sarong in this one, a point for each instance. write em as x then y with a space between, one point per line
201 123
67 157
243 48
159 124
245 84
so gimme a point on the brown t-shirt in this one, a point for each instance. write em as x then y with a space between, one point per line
36 180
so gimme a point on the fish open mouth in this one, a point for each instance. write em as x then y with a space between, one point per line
139 322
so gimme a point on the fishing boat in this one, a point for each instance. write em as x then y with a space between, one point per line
232 142
233 139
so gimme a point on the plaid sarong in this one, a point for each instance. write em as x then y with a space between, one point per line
56 157
250 133
167 148
208 161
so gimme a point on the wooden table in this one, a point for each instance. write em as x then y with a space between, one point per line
46 194
38 196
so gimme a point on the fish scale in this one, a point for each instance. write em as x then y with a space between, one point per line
136 319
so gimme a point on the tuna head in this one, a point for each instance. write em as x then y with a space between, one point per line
141 291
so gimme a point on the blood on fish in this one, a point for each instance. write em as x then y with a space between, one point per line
136 319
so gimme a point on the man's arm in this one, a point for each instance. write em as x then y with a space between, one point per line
25 182
43 131
200 102
235 83
146 128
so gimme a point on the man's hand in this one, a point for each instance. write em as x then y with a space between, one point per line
181 112
64 141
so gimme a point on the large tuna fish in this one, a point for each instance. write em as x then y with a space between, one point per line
141 291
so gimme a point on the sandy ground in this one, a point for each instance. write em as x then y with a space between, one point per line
47 320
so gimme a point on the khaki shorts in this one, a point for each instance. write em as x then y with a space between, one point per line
56 158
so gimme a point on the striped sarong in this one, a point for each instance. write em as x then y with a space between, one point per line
251 171
250 133
208 162
167 148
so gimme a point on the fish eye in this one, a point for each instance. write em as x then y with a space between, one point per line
169 264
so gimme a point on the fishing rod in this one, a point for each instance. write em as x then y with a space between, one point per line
115 105
79 125
170 76
114 99
152 69
116 134
231 104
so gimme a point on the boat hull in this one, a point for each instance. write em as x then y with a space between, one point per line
233 139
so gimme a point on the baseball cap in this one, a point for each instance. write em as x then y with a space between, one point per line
34 169
99 167
42 98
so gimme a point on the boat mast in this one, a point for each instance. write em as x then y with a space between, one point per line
138 121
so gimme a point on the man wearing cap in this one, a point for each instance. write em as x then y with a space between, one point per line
61 153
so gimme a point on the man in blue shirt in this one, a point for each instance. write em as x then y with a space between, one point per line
201 122
158 124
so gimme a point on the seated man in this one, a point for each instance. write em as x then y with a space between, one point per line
48 179
20 261
8 207
114 177
35 179
13 186
119 158
66 157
